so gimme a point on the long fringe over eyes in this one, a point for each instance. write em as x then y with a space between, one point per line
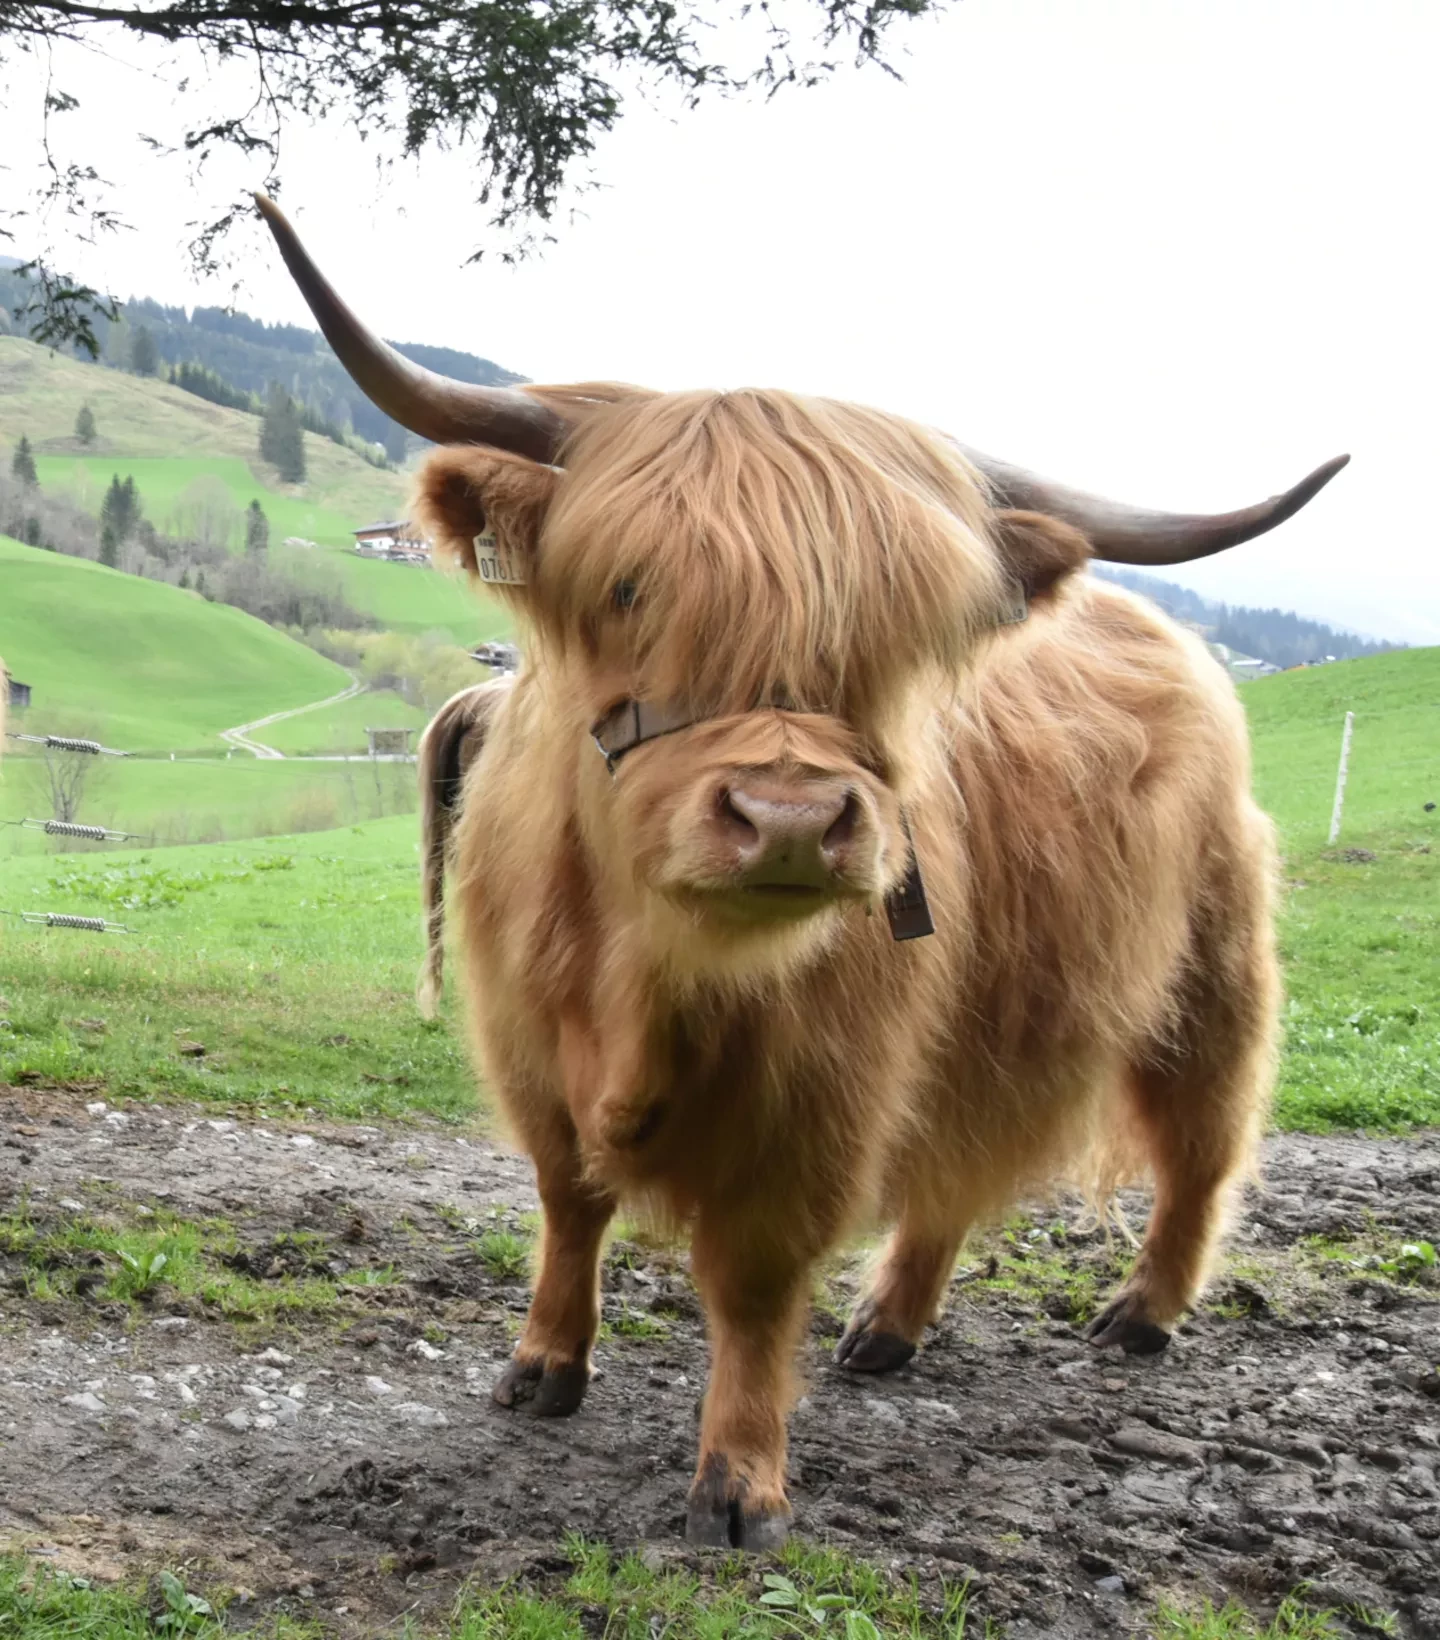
775 544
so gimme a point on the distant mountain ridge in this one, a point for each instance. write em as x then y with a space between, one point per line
249 354
1275 635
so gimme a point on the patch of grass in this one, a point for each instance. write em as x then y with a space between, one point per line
635 1324
139 1255
1293 1621
505 1255
1375 1253
297 982
39 1602
1027 1263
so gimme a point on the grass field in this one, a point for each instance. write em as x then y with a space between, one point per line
143 666
329 944
341 728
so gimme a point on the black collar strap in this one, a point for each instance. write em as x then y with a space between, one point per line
631 723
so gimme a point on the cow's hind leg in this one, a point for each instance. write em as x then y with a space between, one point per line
1199 1098
902 1299
551 1368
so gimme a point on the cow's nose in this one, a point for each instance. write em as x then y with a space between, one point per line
796 834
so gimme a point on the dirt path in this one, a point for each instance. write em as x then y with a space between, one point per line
240 737
353 1462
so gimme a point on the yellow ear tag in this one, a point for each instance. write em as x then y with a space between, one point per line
497 566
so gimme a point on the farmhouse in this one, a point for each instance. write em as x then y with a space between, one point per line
398 541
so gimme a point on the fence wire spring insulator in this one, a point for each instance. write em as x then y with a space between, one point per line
67 743
72 828
61 919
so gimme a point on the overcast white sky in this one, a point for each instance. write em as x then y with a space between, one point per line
1178 251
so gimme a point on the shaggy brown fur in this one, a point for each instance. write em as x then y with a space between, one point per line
453 739
762 1063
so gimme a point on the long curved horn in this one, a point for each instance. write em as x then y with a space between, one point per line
449 412
1130 535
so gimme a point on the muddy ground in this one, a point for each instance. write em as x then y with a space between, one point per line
352 1465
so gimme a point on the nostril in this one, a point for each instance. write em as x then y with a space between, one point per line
842 829
738 826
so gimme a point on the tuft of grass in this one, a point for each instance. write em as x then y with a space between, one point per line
634 1324
504 1254
1293 1621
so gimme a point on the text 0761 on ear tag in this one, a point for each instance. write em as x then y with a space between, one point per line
496 566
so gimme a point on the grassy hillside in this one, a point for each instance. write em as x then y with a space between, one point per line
1361 921
147 667
41 394
175 446
1297 719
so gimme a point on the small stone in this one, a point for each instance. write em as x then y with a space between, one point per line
171 1323
86 1402
1114 1385
97 1107
275 1358
187 1395
265 1420
1114 1584
72 1206
237 1419
116 1118
378 1386
417 1413
302 1141
286 1410
424 1347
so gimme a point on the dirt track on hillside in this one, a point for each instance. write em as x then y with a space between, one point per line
354 1467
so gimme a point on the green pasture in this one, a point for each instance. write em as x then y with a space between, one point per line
1297 718
340 729
334 935
293 964
143 666
414 599
203 800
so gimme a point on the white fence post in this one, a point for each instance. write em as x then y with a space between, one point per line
1340 778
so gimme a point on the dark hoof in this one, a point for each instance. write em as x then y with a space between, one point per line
1118 1324
863 1349
553 1394
716 1520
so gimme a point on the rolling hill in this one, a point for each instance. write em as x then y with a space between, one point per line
175 446
143 666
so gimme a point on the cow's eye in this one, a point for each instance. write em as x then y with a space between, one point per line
622 595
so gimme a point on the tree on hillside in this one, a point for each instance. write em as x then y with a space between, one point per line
257 529
85 425
119 514
22 464
144 355
282 439
528 90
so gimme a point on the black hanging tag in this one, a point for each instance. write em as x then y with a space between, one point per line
906 906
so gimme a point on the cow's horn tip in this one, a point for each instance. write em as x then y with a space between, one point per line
265 205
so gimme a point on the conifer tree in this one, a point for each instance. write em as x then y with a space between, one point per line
282 439
22 465
257 530
85 425
120 510
144 355
109 546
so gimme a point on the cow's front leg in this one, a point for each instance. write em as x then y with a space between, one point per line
755 1299
551 1368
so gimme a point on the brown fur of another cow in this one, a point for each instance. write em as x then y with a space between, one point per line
1101 987
452 740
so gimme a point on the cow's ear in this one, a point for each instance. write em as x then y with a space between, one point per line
1039 551
484 510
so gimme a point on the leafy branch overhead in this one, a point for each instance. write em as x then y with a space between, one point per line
527 89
